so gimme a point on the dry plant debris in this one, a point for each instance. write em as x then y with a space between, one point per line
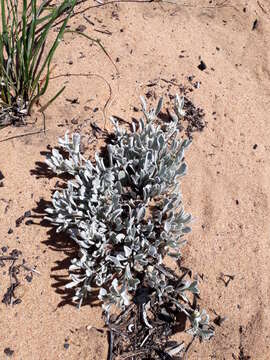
16 264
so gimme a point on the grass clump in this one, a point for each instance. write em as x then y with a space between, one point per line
126 215
24 59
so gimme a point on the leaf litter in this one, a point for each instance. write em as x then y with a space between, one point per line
15 264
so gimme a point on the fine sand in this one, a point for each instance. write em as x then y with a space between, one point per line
227 188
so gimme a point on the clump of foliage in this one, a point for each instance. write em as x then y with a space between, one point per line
125 213
24 59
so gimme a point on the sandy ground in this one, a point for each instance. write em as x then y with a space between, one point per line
227 187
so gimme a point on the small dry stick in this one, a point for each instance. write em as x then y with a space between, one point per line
188 347
111 338
263 9
29 133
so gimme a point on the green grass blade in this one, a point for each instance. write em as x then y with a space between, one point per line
32 30
24 31
4 27
44 33
48 59
44 107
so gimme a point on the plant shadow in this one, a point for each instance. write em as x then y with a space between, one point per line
59 242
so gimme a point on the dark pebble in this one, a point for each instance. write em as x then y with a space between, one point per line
81 28
66 346
10 231
27 213
255 24
240 329
4 249
95 109
74 121
29 222
15 252
202 66
237 202
29 278
255 146
135 109
1 175
19 221
149 94
8 351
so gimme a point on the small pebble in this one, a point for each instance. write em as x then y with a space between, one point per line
255 24
29 222
74 121
8 352
255 146
81 28
27 213
10 231
19 221
202 66
29 278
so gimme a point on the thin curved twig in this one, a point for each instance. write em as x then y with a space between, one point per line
97 41
104 112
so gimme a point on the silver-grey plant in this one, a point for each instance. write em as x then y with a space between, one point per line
125 213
